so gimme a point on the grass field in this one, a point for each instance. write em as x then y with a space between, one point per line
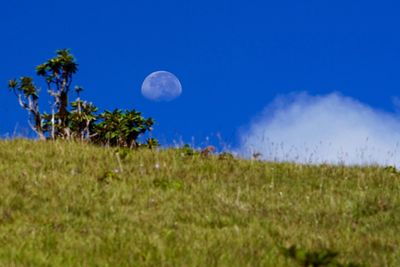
68 204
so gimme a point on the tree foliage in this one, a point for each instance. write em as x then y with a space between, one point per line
78 119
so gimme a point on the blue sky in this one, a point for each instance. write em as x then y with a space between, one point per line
233 58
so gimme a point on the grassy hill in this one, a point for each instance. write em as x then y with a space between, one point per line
67 204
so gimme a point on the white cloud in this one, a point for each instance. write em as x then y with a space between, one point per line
323 129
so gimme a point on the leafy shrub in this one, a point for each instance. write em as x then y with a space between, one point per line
186 150
319 258
121 128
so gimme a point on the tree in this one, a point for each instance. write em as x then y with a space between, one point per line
28 98
78 119
58 73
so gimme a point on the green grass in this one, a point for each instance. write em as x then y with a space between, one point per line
68 204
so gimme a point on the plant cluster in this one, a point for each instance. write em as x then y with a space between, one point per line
78 120
320 258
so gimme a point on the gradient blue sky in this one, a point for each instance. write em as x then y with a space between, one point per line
232 57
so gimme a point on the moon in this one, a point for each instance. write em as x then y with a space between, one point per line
161 86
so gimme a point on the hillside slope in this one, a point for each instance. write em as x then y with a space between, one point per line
67 204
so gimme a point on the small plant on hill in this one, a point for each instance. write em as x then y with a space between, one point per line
187 151
319 258
78 119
